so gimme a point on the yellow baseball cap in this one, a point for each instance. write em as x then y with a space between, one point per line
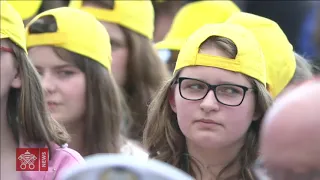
11 25
137 16
78 31
249 60
278 51
26 8
193 16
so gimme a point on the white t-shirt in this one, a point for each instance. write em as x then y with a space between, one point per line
130 148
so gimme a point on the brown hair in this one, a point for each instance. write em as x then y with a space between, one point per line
145 73
28 116
103 102
303 70
165 141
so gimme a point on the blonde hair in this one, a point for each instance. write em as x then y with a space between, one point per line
165 141
28 116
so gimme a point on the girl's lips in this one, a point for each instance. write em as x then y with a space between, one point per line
52 105
207 121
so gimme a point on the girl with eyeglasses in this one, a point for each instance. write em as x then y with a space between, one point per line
205 119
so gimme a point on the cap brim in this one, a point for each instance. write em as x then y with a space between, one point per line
2 36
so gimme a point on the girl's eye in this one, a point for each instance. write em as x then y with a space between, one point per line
229 90
40 72
65 73
197 86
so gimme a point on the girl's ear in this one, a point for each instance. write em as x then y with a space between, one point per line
16 83
172 101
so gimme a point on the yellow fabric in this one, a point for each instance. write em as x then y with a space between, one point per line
137 16
278 51
193 16
78 31
26 8
11 25
249 60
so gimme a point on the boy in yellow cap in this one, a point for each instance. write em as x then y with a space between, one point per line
281 60
136 65
24 118
191 17
206 119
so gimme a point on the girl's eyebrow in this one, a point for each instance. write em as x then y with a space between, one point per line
226 82
56 67
63 66
218 82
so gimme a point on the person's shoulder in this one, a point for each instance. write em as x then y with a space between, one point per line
63 158
66 154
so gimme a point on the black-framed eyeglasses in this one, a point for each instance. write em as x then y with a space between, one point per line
262 172
226 94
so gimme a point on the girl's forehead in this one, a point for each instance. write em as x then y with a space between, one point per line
214 75
52 59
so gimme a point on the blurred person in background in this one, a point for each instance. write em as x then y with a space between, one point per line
136 66
80 90
188 19
205 120
290 15
284 66
290 144
299 30
30 8
25 120
165 11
